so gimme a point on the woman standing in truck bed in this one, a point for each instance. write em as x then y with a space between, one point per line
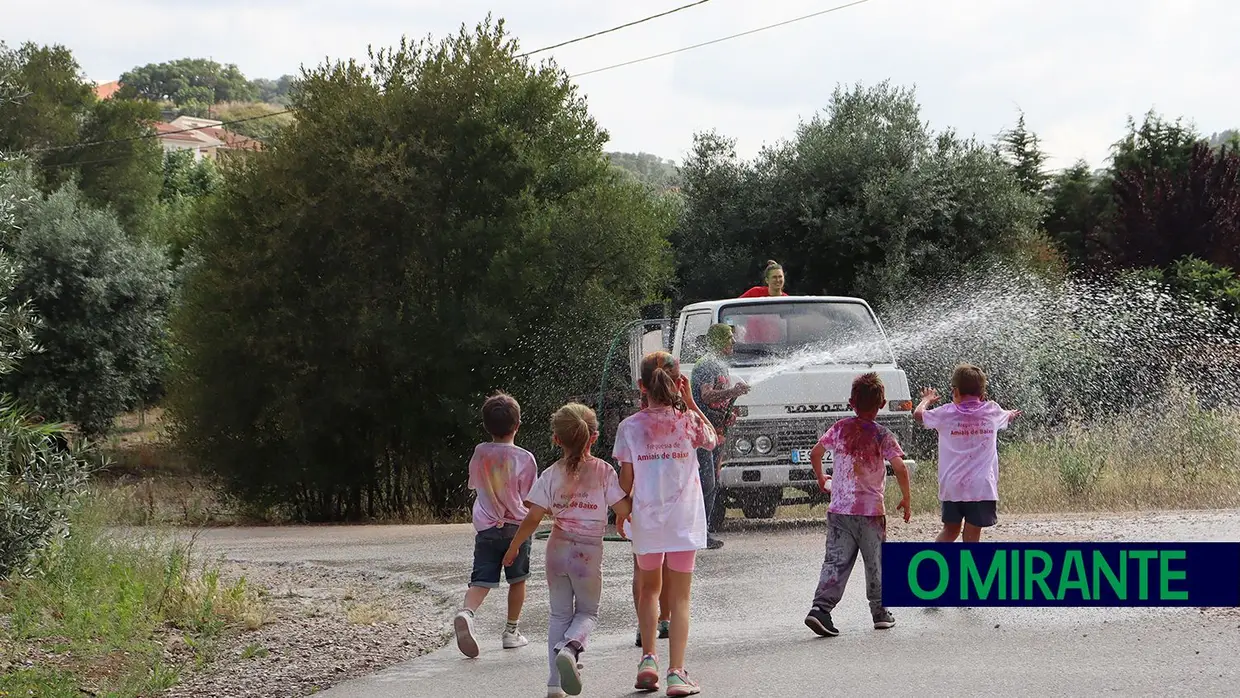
773 276
765 329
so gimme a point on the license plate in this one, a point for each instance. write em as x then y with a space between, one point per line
801 455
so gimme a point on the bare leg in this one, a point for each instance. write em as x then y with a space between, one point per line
665 606
650 584
677 584
972 534
516 599
949 534
474 597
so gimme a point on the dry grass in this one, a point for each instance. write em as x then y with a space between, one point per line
1176 457
368 613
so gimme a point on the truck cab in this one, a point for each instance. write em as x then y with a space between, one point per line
799 354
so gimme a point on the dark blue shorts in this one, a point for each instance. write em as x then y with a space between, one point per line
980 514
490 546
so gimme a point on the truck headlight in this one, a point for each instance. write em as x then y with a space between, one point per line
763 444
743 446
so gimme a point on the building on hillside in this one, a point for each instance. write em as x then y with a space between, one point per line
105 90
205 137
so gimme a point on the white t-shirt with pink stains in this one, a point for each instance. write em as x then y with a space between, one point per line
578 504
502 475
968 449
668 512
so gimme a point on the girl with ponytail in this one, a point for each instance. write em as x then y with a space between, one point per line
772 282
657 452
576 491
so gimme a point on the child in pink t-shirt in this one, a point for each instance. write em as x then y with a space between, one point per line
576 491
657 452
968 453
857 516
501 473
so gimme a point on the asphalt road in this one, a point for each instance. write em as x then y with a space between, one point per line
747 636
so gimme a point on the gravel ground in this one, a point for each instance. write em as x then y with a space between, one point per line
326 626
372 597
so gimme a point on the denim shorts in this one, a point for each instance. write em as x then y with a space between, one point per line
490 546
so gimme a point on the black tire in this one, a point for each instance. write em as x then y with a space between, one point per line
760 505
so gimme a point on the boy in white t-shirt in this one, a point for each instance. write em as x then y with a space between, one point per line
968 430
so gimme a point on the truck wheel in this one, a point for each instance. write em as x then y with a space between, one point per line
760 505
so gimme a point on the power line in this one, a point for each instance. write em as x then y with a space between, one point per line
222 124
157 134
613 29
288 111
716 41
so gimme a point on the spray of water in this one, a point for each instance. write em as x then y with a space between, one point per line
1049 347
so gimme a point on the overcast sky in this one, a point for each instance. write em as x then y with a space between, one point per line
1078 68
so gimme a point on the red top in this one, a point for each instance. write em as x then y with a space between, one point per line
761 329
759 292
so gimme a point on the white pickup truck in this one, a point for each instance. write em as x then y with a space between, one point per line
800 355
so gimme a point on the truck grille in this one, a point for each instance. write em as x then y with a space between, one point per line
804 434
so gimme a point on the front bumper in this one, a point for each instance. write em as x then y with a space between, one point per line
773 474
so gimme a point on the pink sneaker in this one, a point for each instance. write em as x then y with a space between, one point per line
648 674
679 684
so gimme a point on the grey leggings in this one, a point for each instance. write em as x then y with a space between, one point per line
848 535
575 585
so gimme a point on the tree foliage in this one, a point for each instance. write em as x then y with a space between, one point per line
648 169
863 200
274 91
437 224
188 83
39 481
123 171
1023 149
102 299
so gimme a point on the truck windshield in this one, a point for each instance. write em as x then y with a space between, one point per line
840 331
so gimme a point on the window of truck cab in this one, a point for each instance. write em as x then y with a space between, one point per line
693 336
841 331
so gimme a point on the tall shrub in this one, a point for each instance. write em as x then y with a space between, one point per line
437 224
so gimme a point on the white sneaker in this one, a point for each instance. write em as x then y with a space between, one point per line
555 693
514 639
570 671
463 624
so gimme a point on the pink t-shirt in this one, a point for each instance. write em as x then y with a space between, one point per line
968 449
502 475
668 512
578 504
862 449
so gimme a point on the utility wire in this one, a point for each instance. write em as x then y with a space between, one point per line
613 29
720 40
147 136
88 144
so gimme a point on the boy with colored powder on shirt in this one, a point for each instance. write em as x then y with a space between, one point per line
857 516
968 430
502 474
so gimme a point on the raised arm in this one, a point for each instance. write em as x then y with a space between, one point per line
928 397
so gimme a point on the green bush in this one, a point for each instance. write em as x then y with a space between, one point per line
434 226
39 481
102 298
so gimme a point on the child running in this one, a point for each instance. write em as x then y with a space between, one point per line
856 518
502 474
658 469
576 490
968 453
